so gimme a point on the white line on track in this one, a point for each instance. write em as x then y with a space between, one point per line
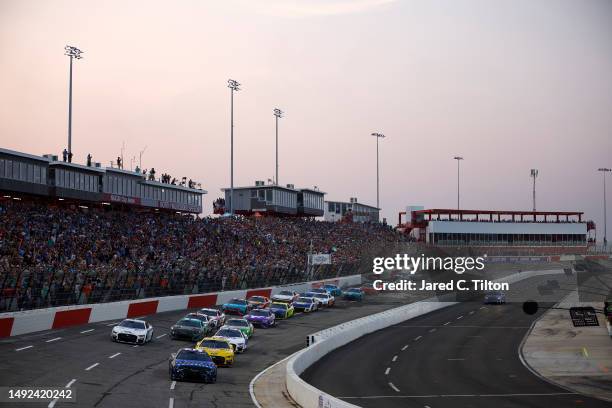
135 345
483 307
171 403
92 366
160 336
114 355
394 387
71 382
432 330
447 323
417 338
87 331
52 340
405 347
52 403
460 317
387 370
172 385
112 324
456 359
23 348
394 359
472 312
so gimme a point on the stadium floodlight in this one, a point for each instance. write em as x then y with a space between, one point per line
534 175
458 158
378 136
73 53
605 170
278 114
233 85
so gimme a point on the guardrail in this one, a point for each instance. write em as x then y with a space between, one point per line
325 341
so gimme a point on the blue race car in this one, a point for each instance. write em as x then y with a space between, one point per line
192 364
333 290
354 294
239 306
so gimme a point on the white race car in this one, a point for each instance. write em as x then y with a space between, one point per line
132 331
286 296
215 317
236 338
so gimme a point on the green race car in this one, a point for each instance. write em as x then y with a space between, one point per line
241 324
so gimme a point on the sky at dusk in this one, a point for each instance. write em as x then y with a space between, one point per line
509 85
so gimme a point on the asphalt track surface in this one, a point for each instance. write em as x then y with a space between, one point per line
465 355
115 375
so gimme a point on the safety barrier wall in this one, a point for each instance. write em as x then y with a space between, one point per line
29 321
330 339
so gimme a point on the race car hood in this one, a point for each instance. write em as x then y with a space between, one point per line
218 352
194 363
127 330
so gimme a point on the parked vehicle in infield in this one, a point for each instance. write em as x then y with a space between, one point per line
219 349
326 299
239 306
353 294
202 317
282 310
189 329
258 302
333 290
236 338
305 304
286 296
192 364
241 324
261 317
495 297
215 316
132 331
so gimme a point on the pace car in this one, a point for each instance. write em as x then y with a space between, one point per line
285 296
219 349
261 317
189 329
215 316
192 364
132 331
495 297
241 324
354 294
258 302
239 306
333 290
282 310
236 338
305 304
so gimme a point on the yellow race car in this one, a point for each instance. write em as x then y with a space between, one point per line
219 349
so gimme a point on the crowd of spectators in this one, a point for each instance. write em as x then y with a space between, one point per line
52 255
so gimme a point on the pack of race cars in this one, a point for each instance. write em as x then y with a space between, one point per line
219 337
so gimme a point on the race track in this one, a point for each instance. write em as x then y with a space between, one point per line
460 356
113 375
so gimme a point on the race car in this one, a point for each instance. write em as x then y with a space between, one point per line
495 297
333 290
241 324
132 331
305 304
203 318
239 306
282 310
189 329
354 294
326 299
261 317
219 349
285 296
215 316
258 302
192 364
368 289
236 338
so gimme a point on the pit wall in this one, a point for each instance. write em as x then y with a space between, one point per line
29 321
324 342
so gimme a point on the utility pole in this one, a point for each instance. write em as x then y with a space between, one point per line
378 136
233 86
458 158
73 53
278 114
534 175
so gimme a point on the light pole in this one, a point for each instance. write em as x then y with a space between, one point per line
378 136
233 86
278 114
458 158
605 170
534 175
73 53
